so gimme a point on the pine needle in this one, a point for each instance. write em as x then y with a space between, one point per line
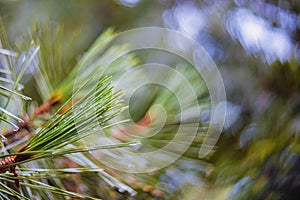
16 93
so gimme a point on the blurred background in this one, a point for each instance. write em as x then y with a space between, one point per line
255 45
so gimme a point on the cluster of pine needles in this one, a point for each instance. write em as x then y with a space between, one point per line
79 103
68 113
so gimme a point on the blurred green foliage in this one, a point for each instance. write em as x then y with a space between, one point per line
257 157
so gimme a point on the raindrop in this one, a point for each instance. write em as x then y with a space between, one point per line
16 128
20 87
132 195
3 139
121 190
130 166
26 98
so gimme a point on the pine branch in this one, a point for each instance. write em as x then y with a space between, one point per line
93 107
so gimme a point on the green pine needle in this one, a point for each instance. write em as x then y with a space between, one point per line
98 107
15 93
